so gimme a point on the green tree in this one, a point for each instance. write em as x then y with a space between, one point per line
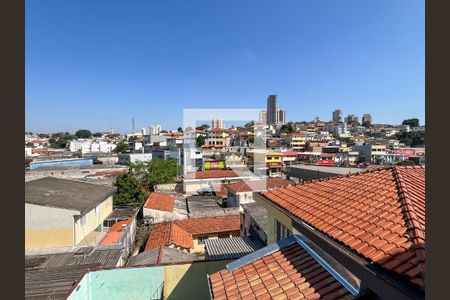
180 129
129 190
249 124
43 135
160 171
121 147
202 127
287 128
201 140
411 122
83 134
97 134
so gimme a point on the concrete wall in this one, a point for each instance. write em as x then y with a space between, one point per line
48 227
124 283
316 172
251 229
68 174
159 216
189 281
93 219
272 215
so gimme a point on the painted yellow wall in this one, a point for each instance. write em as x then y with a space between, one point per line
200 248
93 220
179 280
274 157
272 215
48 238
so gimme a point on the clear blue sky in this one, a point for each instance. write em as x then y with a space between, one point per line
97 64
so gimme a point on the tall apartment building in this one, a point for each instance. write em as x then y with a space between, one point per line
155 129
217 122
351 119
263 117
337 116
281 116
272 109
367 119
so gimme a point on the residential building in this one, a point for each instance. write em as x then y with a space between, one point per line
217 122
127 158
241 192
337 116
296 141
154 129
266 162
272 110
63 213
162 207
316 146
217 138
204 180
263 117
254 222
281 116
370 225
367 120
189 235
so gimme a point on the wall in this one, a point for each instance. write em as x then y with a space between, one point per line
93 220
251 229
48 227
274 214
189 281
68 162
124 283
200 248
160 216
69 173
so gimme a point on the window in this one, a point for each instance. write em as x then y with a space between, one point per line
202 239
83 220
281 231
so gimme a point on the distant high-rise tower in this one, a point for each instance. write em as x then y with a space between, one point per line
337 116
367 119
281 116
217 123
272 109
263 117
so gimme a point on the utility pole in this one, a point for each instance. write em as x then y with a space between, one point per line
132 124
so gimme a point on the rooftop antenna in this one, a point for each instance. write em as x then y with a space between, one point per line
132 124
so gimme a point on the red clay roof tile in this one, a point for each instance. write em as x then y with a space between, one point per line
211 225
379 214
301 281
166 234
160 201
211 174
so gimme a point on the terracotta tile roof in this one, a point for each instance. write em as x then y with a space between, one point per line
116 232
210 225
160 201
379 214
166 234
211 174
290 273
258 185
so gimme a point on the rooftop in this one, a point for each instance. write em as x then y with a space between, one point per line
211 174
66 194
211 225
52 275
160 255
378 214
160 201
258 185
230 248
286 272
166 234
115 233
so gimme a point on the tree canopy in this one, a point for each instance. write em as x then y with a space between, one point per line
97 134
180 129
83 134
160 171
201 140
414 122
202 127
121 147
287 128
129 190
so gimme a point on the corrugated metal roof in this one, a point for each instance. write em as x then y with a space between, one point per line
231 248
51 276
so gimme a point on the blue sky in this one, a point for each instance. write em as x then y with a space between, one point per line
97 64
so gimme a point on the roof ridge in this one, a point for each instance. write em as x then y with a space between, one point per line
413 226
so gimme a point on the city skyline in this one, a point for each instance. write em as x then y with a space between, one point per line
100 73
